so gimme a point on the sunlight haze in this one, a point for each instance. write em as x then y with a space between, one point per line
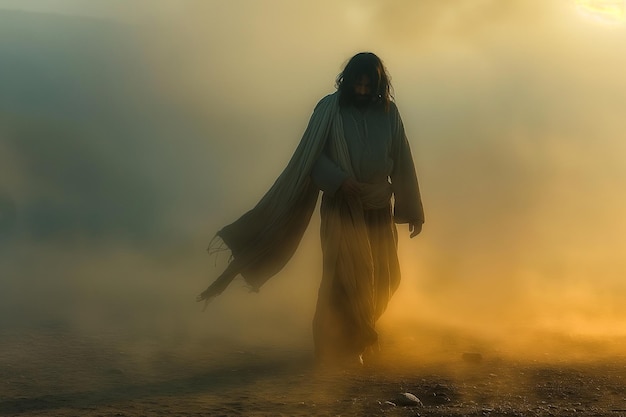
133 130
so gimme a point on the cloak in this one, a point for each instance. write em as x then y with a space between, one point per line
264 239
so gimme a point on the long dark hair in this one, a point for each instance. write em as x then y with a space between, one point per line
368 64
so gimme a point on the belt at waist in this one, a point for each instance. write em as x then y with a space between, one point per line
375 196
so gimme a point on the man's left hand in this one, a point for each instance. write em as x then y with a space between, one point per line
415 228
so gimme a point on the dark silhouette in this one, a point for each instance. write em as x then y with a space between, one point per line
356 152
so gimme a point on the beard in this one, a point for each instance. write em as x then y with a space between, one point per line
362 100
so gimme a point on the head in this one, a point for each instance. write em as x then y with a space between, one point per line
364 80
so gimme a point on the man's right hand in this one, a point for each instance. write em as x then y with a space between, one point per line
350 187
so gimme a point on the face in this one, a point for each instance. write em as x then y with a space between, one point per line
362 89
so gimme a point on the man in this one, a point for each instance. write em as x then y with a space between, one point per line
354 150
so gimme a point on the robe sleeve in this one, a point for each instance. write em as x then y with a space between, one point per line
327 175
407 199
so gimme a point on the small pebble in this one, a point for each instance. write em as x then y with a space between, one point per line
408 399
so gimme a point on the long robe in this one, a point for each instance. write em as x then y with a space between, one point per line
356 232
356 287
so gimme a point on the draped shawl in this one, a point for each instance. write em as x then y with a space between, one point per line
264 239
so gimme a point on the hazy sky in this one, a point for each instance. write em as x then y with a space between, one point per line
134 130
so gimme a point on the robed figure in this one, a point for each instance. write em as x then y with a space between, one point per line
356 152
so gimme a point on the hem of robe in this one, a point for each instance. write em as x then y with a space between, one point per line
343 326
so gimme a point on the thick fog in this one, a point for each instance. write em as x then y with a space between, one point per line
131 132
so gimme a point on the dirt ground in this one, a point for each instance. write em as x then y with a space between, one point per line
54 372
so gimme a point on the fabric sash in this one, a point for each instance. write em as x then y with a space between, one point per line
375 196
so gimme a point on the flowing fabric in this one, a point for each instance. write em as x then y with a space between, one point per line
361 270
353 294
264 239
358 236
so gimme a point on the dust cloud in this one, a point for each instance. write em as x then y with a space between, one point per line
131 133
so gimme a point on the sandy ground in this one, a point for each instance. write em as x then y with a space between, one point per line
54 372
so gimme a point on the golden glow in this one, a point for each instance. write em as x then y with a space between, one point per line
517 142
606 11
